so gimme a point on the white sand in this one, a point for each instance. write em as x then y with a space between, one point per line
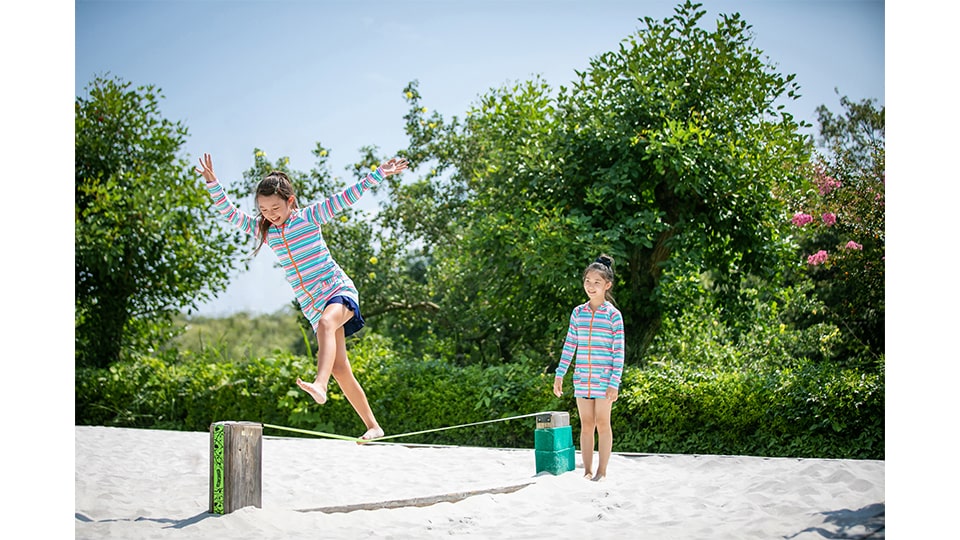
137 484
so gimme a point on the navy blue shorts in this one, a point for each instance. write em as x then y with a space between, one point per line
356 322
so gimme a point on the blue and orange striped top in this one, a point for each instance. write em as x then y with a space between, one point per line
596 337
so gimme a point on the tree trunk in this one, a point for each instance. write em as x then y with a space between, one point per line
643 317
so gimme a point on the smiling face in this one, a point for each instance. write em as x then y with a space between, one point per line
275 200
596 286
275 208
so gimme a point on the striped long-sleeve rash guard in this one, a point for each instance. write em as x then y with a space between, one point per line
597 339
299 245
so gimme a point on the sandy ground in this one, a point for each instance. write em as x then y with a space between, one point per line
142 484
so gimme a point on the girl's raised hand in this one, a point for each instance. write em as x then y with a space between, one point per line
206 169
394 166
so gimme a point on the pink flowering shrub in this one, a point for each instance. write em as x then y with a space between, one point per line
842 247
819 257
842 250
853 245
826 184
800 219
859 201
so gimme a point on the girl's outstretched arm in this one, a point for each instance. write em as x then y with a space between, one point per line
324 211
221 202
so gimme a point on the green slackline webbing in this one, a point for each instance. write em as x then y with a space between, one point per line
378 439
217 484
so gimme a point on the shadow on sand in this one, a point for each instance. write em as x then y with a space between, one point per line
867 522
172 523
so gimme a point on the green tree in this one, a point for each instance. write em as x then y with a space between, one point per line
840 216
856 135
664 153
145 246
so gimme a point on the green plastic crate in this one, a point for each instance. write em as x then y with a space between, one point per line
554 450
552 439
556 462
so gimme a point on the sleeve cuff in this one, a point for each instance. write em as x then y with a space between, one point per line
373 179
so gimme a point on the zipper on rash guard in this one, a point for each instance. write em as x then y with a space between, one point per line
294 263
589 361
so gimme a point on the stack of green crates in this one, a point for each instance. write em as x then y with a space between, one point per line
553 447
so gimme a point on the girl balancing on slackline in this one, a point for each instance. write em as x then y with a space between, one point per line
327 296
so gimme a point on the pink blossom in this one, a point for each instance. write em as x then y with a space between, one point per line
826 184
829 218
819 257
800 219
853 245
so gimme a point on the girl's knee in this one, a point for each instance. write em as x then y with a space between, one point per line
326 326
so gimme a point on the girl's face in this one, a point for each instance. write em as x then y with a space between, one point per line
596 286
275 208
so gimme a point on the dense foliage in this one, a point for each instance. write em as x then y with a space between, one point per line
840 222
144 246
664 153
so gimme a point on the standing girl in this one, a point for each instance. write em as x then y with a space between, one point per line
327 297
596 334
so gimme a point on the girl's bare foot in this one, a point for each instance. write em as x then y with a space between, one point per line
588 475
372 433
599 477
319 395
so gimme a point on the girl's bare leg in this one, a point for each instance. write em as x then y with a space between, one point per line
351 388
588 425
602 408
333 319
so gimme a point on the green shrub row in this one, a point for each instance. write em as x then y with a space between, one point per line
807 410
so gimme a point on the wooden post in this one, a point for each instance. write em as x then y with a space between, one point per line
553 443
235 465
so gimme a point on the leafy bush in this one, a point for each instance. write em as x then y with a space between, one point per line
767 388
804 410
407 395
810 411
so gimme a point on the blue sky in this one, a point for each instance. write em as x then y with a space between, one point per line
281 76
